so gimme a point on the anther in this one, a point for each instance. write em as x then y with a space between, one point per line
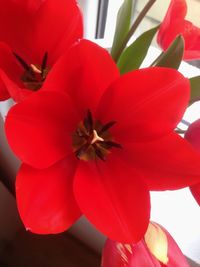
44 61
107 126
88 122
22 62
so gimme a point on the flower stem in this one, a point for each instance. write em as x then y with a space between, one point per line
134 27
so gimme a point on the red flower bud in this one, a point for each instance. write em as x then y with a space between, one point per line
157 249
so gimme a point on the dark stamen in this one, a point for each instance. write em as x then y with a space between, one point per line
81 134
110 144
107 126
88 141
88 122
98 152
22 62
81 150
44 62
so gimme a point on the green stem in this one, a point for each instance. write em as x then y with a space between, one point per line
134 27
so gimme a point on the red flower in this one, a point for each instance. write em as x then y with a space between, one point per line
174 24
193 136
33 35
148 252
99 144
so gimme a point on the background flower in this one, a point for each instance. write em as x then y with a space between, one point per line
137 255
174 24
28 49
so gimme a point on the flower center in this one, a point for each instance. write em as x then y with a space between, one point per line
92 139
34 75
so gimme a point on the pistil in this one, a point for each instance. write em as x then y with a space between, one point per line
96 138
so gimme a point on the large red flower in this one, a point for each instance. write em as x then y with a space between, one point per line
174 24
157 249
98 146
192 135
33 35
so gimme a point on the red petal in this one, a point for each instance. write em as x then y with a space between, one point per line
176 257
172 23
45 197
29 26
191 36
137 255
4 94
192 136
175 24
195 190
9 65
88 69
117 254
144 104
12 88
193 133
65 19
39 129
166 163
110 194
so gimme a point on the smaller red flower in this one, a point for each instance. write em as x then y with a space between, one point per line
33 35
193 136
157 249
175 24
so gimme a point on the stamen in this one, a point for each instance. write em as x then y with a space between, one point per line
22 62
96 138
35 69
88 122
99 152
81 150
34 74
81 134
110 144
92 140
44 61
107 126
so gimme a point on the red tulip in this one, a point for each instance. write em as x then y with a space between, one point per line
193 136
33 35
175 24
98 146
158 249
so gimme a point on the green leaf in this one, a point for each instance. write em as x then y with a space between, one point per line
133 56
122 26
195 89
173 56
